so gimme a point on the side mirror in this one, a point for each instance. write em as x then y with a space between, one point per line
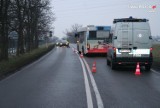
76 35
150 37
115 37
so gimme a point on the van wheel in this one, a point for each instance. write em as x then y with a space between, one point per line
147 67
113 66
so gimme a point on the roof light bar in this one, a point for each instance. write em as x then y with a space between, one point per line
130 19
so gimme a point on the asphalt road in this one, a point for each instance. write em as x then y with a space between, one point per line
54 81
121 88
61 79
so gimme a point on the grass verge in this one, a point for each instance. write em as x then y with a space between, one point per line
15 63
156 56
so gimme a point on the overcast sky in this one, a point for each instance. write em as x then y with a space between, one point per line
102 12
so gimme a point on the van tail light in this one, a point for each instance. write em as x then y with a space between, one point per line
114 53
88 46
151 55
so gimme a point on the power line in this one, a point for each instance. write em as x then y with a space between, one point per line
95 7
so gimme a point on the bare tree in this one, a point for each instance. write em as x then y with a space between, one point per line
32 18
39 20
29 18
4 27
71 33
75 27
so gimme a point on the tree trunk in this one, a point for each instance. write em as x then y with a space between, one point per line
4 29
20 40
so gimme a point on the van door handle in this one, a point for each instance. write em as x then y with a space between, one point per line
130 44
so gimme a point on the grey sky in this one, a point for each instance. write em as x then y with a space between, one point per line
102 12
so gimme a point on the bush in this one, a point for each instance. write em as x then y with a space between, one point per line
156 55
14 63
156 52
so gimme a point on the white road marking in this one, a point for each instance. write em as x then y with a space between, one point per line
95 88
155 71
87 87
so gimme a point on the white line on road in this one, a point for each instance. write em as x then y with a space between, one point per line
87 87
155 71
95 88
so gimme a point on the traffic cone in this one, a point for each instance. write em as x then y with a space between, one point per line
81 55
137 72
94 67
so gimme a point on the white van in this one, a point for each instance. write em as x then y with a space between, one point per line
130 42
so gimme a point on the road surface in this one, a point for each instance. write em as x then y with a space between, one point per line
62 79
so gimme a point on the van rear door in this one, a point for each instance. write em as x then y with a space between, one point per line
141 34
141 42
125 39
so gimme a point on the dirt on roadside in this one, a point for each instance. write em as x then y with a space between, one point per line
156 66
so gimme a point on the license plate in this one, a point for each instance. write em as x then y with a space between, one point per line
124 51
125 54
137 55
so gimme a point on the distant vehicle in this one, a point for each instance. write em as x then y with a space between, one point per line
93 39
64 43
130 42
57 43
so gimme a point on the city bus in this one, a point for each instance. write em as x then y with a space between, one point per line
93 39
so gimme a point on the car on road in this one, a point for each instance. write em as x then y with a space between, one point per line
64 43
57 43
130 43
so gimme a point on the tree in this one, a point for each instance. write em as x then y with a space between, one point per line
4 27
39 20
71 33
32 18
29 18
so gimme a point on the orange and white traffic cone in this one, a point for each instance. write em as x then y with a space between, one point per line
81 55
137 72
94 67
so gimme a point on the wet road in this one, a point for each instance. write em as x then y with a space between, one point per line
59 80
54 81
122 89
